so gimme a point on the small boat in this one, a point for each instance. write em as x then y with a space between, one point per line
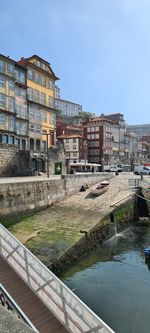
100 188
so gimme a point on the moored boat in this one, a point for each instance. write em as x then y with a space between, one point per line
100 188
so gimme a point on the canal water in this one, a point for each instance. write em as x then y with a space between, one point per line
114 281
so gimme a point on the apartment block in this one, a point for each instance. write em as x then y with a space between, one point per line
40 95
13 103
74 145
67 108
140 130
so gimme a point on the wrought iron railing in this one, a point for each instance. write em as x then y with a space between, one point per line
59 299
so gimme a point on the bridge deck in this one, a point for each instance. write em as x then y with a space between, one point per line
30 304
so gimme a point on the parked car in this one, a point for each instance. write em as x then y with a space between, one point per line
113 168
141 169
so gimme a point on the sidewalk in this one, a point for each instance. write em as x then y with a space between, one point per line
9 180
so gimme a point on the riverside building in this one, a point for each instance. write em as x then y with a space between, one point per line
40 96
13 103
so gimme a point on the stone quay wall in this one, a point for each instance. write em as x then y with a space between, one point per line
13 162
21 197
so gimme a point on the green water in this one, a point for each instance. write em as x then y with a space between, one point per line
114 281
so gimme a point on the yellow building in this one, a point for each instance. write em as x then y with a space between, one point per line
40 94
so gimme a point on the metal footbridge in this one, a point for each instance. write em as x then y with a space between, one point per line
48 304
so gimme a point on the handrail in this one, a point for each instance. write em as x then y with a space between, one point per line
13 306
122 199
59 299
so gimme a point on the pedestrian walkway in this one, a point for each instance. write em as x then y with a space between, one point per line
10 180
29 303
45 300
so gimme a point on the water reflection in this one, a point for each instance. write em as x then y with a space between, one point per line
115 281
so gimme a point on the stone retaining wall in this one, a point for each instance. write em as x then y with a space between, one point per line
21 197
13 162
104 230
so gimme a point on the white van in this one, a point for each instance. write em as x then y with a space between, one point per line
113 168
141 169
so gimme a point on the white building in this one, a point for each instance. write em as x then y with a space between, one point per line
68 108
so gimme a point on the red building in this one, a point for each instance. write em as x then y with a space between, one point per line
103 137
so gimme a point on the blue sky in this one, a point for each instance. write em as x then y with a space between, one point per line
100 49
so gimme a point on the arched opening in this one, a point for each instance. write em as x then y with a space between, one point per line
11 140
5 138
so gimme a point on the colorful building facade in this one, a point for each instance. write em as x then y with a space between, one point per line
40 95
13 103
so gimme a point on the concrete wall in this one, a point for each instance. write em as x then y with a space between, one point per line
20 197
13 162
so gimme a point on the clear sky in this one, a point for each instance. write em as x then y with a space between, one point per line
100 49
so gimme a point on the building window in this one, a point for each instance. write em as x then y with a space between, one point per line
11 85
32 144
2 100
36 96
5 138
30 93
74 147
52 119
11 123
23 144
44 116
38 63
17 141
30 74
32 128
43 145
38 115
20 75
43 66
2 81
74 154
20 92
31 112
67 140
36 77
2 118
67 147
74 140
43 81
11 104
51 101
10 68
43 98
2 66
38 129
11 140
51 84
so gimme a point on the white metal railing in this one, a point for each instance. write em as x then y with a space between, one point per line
9 303
74 315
